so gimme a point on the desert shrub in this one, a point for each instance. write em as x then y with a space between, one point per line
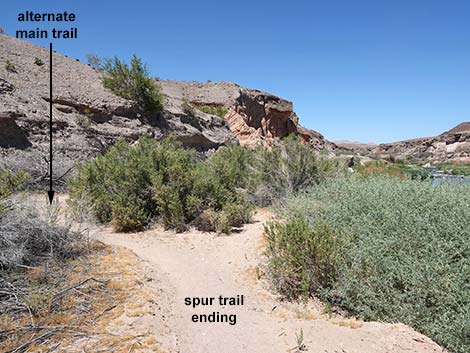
132 82
38 62
94 61
214 109
11 182
287 168
131 185
28 238
117 185
231 164
463 169
9 66
172 186
84 121
393 167
302 258
238 213
403 252
220 185
455 169
188 108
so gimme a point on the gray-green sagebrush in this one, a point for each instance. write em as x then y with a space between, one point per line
382 248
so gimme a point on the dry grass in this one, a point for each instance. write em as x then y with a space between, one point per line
315 311
93 306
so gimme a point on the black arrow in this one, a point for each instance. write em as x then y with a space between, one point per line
51 191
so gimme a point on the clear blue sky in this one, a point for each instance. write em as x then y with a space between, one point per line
372 70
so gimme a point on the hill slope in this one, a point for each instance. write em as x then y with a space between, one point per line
88 118
450 146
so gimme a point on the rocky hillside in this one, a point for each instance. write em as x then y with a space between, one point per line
88 118
450 146
253 116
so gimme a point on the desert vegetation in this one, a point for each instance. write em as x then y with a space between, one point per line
133 185
94 61
56 286
394 168
131 81
214 109
455 169
10 67
381 248
38 62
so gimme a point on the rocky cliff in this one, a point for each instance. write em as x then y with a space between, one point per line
253 116
89 118
450 146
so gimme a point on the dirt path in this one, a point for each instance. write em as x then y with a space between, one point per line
196 264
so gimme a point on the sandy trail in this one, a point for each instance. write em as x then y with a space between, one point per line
196 264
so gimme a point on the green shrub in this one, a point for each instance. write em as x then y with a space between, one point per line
9 184
302 258
38 62
463 169
231 164
132 82
287 168
220 186
403 255
395 168
172 186
118 185
214 109
9 66
131 185
222 223
455 169
238 213
233 215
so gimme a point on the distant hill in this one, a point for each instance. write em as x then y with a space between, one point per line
463 128
354 144
450 146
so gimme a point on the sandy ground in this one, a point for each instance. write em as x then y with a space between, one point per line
196 264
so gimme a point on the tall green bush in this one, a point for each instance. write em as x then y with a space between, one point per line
132 82
287 168
131 185
302 258
404 254
11 182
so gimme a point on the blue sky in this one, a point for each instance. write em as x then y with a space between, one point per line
371 70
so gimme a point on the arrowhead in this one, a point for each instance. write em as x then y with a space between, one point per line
51 196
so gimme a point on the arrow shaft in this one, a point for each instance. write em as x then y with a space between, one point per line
50 117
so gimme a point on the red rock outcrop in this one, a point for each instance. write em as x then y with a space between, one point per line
253 116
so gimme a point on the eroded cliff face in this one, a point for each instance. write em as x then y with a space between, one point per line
89 118
253 116
450 146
